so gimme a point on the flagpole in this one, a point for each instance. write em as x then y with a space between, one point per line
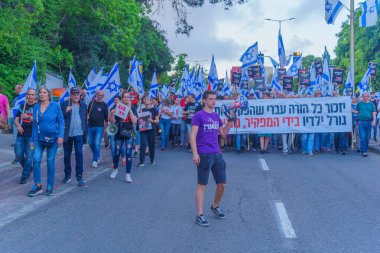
352 44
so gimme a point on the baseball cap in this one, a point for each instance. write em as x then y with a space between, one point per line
74 90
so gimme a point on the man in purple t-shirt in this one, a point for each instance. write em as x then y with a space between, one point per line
206 125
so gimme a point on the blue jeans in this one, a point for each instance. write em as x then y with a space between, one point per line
365 134
375 128
327 140
183 132
340 142
37 157
24 155
77 141
165 128
120 144
307 143
94 141
240 141
318 138
188 129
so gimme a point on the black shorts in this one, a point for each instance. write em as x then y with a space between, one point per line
216 164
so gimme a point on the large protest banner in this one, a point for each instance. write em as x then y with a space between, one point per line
295 115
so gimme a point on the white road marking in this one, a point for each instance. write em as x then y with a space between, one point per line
7 151
41 201
264 164
284 220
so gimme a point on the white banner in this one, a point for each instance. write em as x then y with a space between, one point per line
122 110
293 115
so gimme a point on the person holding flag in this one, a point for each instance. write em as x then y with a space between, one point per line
24 125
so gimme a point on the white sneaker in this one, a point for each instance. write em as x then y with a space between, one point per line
94 164
114 173
128 178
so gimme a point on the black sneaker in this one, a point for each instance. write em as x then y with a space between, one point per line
66 180
81 182
36 190
152 162
140 164
365 154
135 154
201 220
218 212
23 180
49 190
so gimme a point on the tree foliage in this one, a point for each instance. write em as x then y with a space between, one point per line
367 47
78 34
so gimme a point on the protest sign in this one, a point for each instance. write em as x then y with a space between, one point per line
254 71
318 68
259 83
337 77
235 79
295 115
304 77
143 121
281 72
122 110
373 67
288 83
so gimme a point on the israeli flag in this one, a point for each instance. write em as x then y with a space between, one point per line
250 56
135 78
244 77
281 50
296 65
30 83
364 83
348 85
274 63
153 92
226 87
95 85
332 9
182 89
370 10
212 78
111 87
191 82
165 91
275 84
199 85
90 77
71 83
327 89
262 67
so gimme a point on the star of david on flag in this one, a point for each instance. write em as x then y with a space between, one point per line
370 10
332 9
250 56
111 87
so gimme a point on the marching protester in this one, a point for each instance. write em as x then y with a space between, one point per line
74 113
147 130
12 117
165 118
4 109
355 128
189 111
24 126
367 119
206 126
374 128
124 137
176 121
97 122
47 133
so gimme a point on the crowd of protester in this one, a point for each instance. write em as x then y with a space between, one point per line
43 124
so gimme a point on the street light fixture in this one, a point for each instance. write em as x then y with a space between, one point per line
279 20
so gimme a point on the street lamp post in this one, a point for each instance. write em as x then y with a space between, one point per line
352 45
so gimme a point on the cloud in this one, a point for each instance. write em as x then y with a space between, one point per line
299 44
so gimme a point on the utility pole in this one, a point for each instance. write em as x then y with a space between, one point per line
352 45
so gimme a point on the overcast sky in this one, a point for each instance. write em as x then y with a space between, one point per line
228 33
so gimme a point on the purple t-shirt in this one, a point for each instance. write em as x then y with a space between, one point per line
207 137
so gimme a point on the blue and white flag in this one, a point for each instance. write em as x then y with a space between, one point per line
199 85
165 91
250 56
90 77
71 83
275 84
281 51
30 83
332 9
274 63
191 82
95 85
244 77
370 10
262 67
348 85
363 86
212 78
296 65
153 92
226 87
182 89
327 88
135 78
111 87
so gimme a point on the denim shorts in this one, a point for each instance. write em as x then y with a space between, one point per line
216 164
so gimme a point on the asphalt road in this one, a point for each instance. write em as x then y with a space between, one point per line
274 203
